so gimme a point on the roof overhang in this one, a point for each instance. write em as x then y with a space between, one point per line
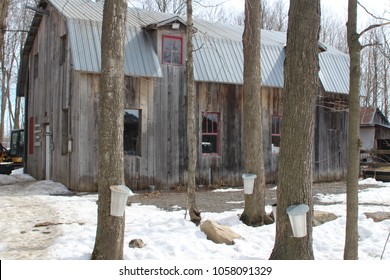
169 21
32 33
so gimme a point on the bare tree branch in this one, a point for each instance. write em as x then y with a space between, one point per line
371 14
373 27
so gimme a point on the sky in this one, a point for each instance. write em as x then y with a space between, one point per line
41 220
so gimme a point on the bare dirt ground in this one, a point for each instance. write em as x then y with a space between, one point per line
209 201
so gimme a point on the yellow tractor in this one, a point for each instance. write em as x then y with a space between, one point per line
9 159
6 164
16 151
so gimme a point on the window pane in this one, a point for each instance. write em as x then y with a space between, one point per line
276 141
176 46
131 132
176 58
276 124
14 142
214 121
167 57
210 144
167 44
204 124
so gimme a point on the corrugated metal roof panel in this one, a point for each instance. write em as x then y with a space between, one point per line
272 66
85 38
219 55
219 60
140 56
334 72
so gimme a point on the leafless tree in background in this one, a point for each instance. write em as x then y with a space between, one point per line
3 25
274 15
375 69
166 6
333 31
15 33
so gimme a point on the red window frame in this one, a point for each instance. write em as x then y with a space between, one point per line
211 128
171 51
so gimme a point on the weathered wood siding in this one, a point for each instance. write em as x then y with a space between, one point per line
331 139
48 95
225 168
140 171
272 104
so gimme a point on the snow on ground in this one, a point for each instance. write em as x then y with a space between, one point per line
43 220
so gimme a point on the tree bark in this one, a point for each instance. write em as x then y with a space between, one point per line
301 84
3 25
351 238
3 16
109 240
254 211
191 125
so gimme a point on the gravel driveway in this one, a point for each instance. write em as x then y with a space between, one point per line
209 200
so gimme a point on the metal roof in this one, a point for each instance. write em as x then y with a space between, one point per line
218 56
367 117
85 37
334 72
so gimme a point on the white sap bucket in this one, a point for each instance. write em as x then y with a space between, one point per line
249 181
274 210
297 215
119 195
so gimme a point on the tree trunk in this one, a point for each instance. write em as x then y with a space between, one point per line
254 212
351 239
3 17
301 84
109 240
17 113
3 25
191 130
3 100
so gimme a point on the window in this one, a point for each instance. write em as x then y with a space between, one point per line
210 133
275 130
65 131
63 49
132 132
17 143
172 50
36 65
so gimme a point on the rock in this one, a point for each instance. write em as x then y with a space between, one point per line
136 243
219 234
321 217
378 216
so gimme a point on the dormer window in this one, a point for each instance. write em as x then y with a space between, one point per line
172 50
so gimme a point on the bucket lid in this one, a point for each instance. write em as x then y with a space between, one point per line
249 176
296 210
120 188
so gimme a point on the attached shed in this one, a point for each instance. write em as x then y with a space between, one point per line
375 138
374 134
59 78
